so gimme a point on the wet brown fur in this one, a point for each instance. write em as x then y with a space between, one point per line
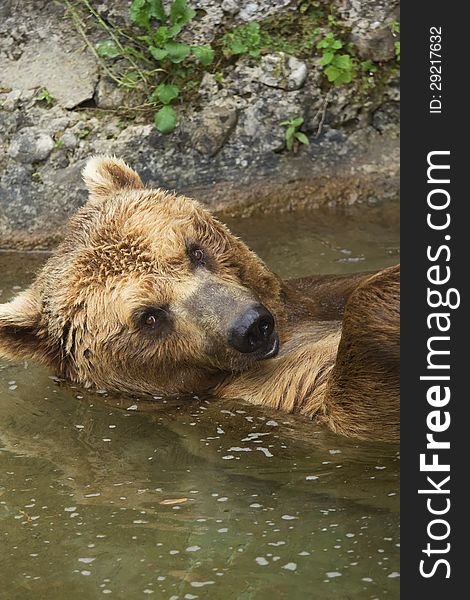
126 251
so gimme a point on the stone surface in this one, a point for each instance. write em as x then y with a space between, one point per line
69 77
30 146
229 150
282 71
212 129
376 45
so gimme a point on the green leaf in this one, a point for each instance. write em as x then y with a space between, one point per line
174 30
158 53
344 62
290 132
204 54
256 52
343 78
289 141
177 52
161 36
238 47
165 119
181 13
332 73
303 139
142 11
337 44
107 49
297 122
165 92
327 58
130 79
397 50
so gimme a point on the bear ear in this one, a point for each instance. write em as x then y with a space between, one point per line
105 175
19 328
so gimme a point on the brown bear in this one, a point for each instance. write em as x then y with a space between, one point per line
149 293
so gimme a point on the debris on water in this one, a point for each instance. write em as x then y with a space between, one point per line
333 574
132 407
171 501
266 452
290 566
261 561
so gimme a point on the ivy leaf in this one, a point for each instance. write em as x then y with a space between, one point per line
165 93
107 49
165 119
337 44
158 53
177 52
303 139
204 54
142 11
181 13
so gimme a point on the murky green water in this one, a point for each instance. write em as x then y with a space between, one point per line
220 500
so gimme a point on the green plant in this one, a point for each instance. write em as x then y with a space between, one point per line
293 134
46 96
395 27
369 66
339 68
397 50
244 39
157 56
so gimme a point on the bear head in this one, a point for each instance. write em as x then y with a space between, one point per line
148 292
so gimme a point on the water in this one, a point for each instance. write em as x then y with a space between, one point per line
113 496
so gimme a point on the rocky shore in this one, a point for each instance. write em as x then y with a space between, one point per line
58 106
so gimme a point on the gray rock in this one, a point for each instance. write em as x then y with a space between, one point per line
213 128
108 95
69 140
69 77
11 100
376 44
249 11
30 146
280 70
232 7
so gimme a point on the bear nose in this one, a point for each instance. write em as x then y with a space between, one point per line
253 330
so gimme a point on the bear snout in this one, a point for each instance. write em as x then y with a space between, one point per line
254 332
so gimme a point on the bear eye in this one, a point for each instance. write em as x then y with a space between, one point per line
151 318
197 255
